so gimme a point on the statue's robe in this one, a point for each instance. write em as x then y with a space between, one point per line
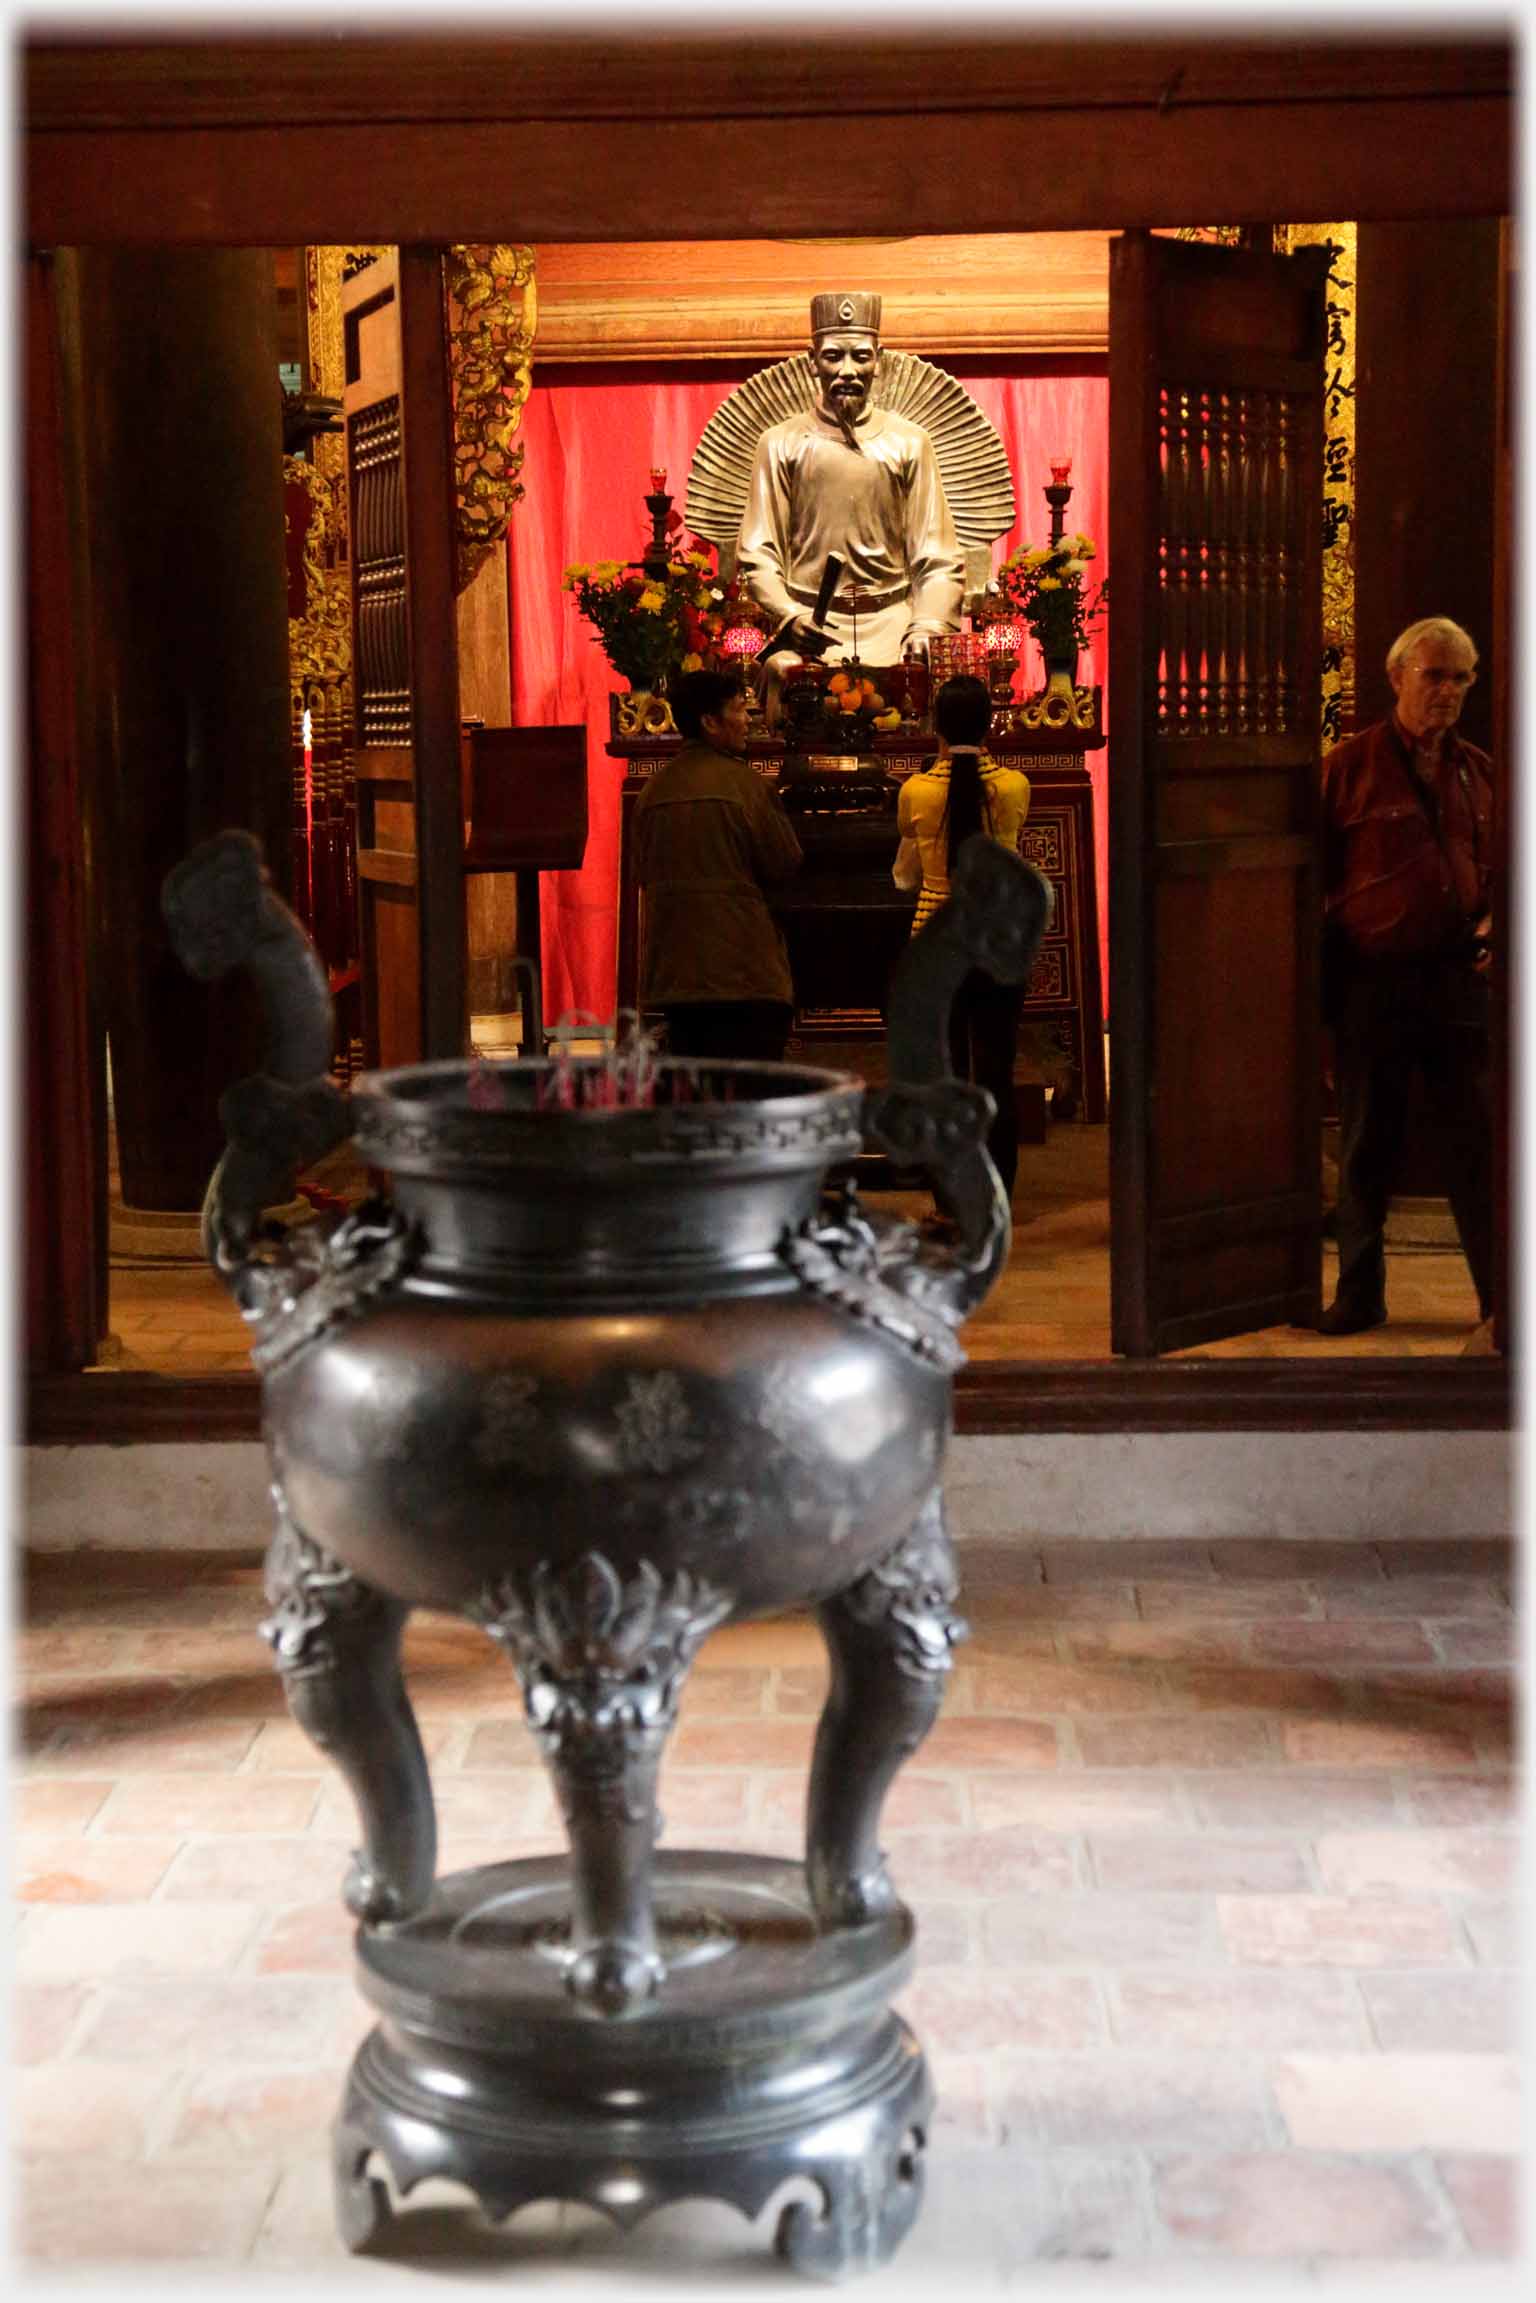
881 509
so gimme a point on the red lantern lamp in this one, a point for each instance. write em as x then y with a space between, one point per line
741 640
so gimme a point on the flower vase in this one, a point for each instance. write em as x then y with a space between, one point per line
1061 676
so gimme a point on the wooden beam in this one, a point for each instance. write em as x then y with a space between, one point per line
324 80
1031 296
1057 171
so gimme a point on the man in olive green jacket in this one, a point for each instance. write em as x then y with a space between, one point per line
710 836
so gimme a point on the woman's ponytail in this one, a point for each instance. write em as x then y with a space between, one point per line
965 809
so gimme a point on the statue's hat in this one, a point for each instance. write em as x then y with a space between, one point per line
857 309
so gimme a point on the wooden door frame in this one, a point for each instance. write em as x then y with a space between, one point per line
419 141
425 766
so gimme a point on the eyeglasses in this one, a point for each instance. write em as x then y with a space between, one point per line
1436 678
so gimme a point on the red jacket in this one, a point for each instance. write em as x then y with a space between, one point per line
1404 871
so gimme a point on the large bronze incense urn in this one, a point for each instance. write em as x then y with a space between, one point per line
611 1364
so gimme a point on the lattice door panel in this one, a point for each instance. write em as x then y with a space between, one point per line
1230 578
378 557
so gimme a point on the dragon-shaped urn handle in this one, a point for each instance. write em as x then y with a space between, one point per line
993 919
223 912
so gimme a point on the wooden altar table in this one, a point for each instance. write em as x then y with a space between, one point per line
1065 992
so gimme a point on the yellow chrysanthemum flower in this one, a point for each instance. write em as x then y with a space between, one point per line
604 571
693 663
1049 584
574 574
653 599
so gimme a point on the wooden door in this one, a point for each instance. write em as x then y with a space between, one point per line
399 431
1216 428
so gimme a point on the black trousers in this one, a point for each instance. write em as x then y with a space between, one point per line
751 1031
983 1033
1396 1017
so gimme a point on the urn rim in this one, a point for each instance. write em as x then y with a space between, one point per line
445 1115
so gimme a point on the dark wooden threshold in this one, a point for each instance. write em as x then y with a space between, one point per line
1237 1395
1419 1394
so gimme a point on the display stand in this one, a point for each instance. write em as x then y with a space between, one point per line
526 801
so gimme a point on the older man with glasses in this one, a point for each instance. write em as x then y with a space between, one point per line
1407 833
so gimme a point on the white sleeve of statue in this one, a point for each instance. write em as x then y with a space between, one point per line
933 549
762 547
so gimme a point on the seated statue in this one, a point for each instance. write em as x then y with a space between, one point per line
826 476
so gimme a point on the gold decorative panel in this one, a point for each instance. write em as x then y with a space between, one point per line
1338 471
493 313
320 641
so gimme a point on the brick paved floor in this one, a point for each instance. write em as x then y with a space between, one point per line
1213 1856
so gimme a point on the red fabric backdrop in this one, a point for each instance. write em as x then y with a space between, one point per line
592 436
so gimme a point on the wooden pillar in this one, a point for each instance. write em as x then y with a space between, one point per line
65 1234
1426 366
1426 513
1508 803
180 447
485 693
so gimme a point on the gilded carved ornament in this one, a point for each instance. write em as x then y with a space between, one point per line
1338 469
493 312
320 641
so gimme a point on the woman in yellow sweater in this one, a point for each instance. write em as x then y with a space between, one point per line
962 792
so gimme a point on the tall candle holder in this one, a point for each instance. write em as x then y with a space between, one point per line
658 503
1058 495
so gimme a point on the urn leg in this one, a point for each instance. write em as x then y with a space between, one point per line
602 1662
889 1638
336 1642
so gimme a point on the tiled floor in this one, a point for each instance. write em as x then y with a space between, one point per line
1213 1855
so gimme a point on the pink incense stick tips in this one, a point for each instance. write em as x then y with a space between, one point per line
486 1092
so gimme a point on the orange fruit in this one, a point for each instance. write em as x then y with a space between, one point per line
838 683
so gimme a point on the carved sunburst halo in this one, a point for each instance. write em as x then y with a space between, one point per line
973 462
